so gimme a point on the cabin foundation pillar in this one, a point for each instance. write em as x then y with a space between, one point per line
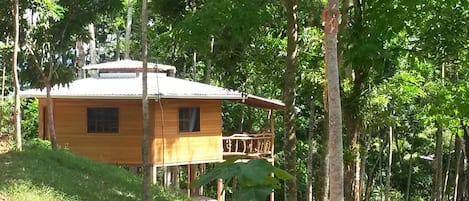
220 190
171 177
153 173
192 169
202 168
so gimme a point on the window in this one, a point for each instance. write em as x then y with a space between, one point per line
189 119
103 120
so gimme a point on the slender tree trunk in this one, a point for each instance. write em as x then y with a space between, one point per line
93 59
146 117
336 177
388 174
128 30
309 167
14 64
445 183
291 189
81 58
459 154
3 89
409 175
438 165
371 179
117 56
3 95
50 115
208 69
194 66
465 183
363 162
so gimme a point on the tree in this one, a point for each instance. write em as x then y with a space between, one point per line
146 116
128 29
49 41
14 68
289 99
336 177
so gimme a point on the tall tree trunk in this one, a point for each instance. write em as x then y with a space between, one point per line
128 29
289 98
448 166
3 95
117 56
146 116
309 167
322 175
438 165
336 177
357 74
363 162
50 116
208 69
371 179
93 59
409 175
194 66
388 174
458 147
81 58
465 183
14 63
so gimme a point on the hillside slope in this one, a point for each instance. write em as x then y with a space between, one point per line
38 173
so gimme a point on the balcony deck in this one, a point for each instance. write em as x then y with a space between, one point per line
259 145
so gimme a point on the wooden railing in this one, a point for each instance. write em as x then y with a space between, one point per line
249 145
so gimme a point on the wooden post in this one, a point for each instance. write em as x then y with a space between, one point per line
192 170
272 132
167 177
153 174
201 173
220 190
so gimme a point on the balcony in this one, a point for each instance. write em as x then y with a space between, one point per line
248 146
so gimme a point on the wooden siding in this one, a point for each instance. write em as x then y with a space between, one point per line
187 147
124 147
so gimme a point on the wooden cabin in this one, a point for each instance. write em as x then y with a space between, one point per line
100 117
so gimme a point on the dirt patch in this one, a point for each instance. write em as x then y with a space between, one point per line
5 139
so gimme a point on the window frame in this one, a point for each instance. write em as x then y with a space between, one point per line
184 120
105 118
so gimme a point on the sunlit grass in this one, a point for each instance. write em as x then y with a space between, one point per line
39 174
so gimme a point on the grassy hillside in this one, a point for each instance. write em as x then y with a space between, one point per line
38 173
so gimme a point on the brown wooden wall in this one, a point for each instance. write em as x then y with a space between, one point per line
188 147
125 146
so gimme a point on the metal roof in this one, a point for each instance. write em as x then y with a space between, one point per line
127 65
129 86
159 86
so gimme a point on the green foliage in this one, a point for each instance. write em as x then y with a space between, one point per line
28 175
254 178
29 118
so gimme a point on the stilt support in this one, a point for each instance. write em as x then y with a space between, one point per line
153 174
220 190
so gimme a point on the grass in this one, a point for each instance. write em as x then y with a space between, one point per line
40 174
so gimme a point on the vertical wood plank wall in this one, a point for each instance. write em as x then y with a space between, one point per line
125 147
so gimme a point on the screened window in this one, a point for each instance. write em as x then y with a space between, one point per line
189 119
103 120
